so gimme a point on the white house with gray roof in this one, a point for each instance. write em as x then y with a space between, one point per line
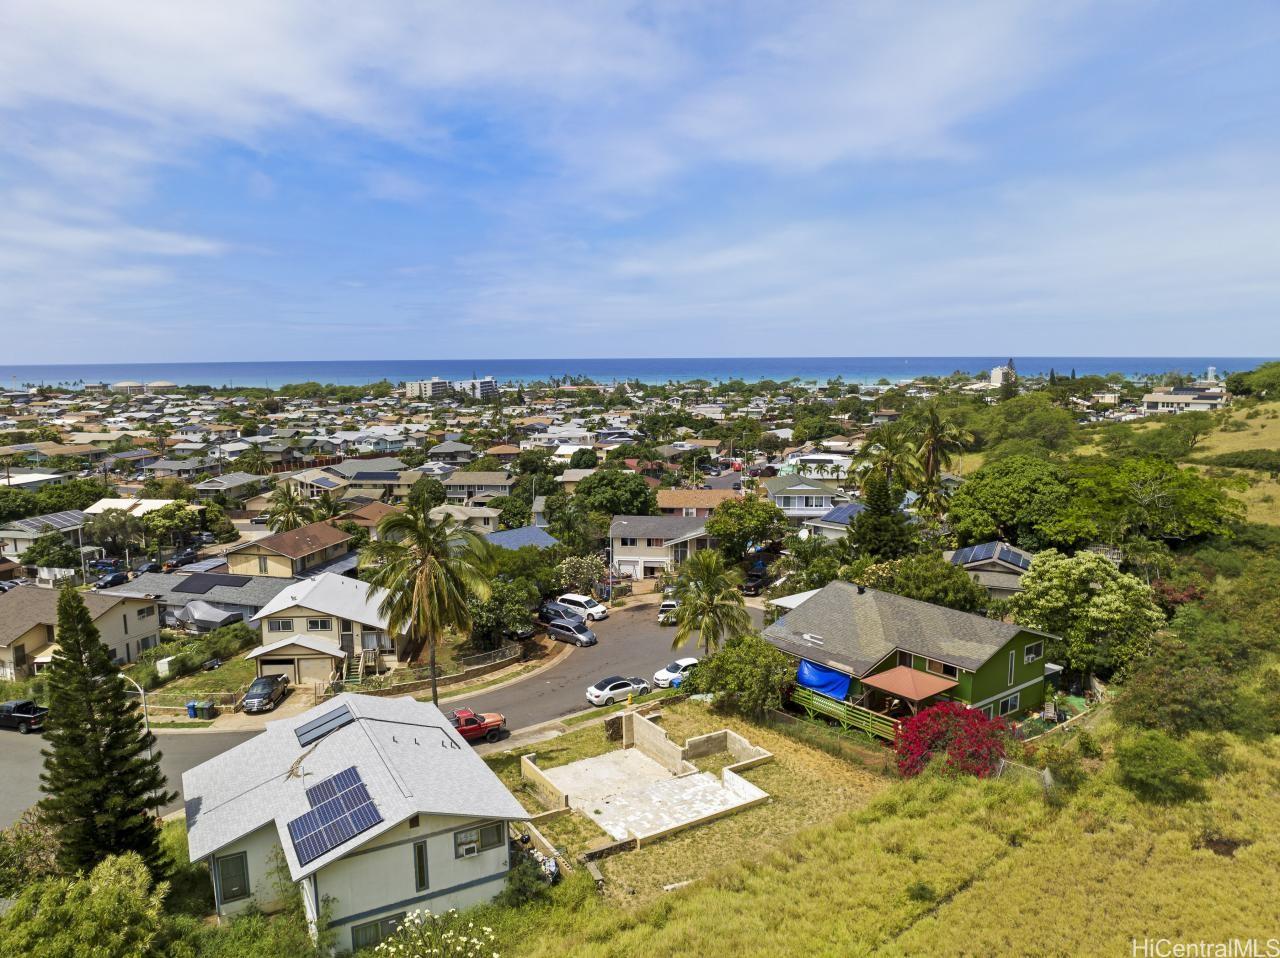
372 806
644 547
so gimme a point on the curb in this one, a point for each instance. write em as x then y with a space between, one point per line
566 651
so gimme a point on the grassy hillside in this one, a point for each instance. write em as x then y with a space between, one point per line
938 866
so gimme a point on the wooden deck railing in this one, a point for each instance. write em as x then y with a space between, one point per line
849 716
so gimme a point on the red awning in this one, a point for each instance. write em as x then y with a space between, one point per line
908 683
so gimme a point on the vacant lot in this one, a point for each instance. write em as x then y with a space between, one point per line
806 786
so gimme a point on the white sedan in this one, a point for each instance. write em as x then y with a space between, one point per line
678 669
616 689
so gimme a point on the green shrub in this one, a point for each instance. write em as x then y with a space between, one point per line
1267 460
1159 769
1087 745
524 884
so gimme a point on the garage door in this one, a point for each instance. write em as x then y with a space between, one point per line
314 670
276 667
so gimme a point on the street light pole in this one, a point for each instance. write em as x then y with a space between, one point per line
146 722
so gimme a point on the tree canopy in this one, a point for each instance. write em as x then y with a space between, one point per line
737 524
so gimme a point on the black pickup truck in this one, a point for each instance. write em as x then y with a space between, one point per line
24 715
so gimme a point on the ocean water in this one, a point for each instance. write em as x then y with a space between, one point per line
866 369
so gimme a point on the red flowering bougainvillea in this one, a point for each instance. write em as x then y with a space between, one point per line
972 743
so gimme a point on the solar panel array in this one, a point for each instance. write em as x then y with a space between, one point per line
201 582
53 520
986 551
340 810
318 728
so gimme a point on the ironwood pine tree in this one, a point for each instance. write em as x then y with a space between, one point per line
881 530
101 787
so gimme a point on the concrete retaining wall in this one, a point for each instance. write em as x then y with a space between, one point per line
640 733
530 772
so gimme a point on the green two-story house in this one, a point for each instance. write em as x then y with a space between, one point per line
870 658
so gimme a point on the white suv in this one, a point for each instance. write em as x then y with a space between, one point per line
585 606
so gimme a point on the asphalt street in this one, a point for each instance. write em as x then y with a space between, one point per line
631 643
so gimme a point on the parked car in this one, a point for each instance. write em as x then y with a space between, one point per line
206 538
572 630
23 715
673 673
737 487
478 725
186 557
584 606
6 586
551 611
265 693
112 580
259 520
754 584
103 565
150 567
667 612
615 688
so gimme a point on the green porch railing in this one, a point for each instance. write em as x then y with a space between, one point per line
849 716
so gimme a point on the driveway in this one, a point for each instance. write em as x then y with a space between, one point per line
631 643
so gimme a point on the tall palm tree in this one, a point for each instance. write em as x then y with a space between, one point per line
287 509
710 602
938 441
428 569
891 450
253 461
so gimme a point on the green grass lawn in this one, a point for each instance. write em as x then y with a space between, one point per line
234 676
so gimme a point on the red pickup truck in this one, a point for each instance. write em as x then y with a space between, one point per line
478 725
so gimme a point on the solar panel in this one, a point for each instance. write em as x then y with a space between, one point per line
1014 557
318 728
341 810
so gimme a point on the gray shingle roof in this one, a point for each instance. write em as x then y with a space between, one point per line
853 631
254 591
656 527
408 755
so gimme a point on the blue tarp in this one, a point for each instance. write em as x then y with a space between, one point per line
829 682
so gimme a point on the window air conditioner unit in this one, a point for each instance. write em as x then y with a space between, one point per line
469 850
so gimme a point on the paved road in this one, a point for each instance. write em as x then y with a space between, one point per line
631 643
21 761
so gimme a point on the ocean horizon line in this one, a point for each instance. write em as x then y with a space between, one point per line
861 369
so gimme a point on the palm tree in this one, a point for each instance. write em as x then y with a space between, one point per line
891 450
427 570
938 440
160 433
253 461
710 602
325 506
287 509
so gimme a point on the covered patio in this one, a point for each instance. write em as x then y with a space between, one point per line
886 698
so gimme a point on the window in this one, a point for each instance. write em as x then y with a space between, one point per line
987 710
319 625
233 877
1010 704
146 612
263 568
124 618
904 658
420 874
1012 655
941 668
373 933
627 541
471 841
1032 652
655 543
280 625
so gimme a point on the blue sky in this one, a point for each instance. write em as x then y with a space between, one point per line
323 180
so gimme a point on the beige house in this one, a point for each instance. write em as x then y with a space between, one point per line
324 625
698 503
29 627
290 554
644 547
480 518
462 487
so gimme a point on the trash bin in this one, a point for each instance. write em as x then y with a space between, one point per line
205 710
191 709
